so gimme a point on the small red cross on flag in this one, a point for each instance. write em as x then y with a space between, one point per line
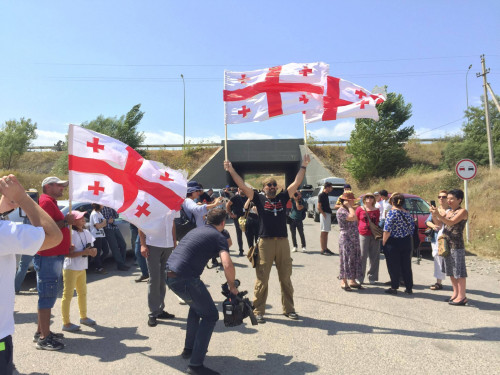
95 145
244 110
303 98
142 210
96 188
360 93
305 70
362 104
243 79
166 177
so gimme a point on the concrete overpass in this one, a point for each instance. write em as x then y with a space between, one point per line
276 156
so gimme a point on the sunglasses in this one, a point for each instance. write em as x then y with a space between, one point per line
442 197
273 184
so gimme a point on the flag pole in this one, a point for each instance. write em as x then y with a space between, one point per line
70 151
225 122
305 128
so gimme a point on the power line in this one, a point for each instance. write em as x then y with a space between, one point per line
437 127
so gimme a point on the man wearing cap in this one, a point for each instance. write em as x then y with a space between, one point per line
49 263
43 233
325 218
156 248
273 242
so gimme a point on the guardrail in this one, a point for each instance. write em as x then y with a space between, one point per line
191 145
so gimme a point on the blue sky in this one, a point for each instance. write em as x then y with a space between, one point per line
69 61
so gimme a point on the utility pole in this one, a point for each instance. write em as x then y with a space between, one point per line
486 111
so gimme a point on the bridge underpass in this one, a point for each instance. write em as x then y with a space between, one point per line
274 156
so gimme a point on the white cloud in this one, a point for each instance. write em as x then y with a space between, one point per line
48 138
340 131
250 135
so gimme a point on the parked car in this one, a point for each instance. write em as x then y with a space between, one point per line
312 202
419 209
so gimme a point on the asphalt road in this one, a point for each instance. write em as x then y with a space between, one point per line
339 332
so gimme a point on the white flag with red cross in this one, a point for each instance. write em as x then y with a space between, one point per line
345 99
282 90
106 171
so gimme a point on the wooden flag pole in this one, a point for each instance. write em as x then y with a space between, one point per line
225 142
305 128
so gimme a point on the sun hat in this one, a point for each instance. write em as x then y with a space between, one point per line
78 214
54 180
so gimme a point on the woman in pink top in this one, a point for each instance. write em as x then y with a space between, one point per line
370 247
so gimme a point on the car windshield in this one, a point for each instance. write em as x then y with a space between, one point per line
336 192
416 206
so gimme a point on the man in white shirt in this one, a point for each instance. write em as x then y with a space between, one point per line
156 248
386 206
18 239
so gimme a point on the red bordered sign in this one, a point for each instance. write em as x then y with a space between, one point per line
466 169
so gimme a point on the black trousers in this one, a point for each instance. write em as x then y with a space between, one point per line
6 356
239 234
397 253
252 229
299 226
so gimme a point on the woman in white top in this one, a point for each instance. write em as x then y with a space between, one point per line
74 272
97 223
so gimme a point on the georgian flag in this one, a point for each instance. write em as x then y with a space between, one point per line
345 99
282 90
106 171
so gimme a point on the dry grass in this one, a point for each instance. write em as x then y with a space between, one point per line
255 180
428 154
36 162
189 160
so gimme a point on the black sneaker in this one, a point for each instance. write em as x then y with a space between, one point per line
165 315
408 291
152 321
260 319
141 278
329 252
391 291
57 336
49 343
201 370
186 353
123 267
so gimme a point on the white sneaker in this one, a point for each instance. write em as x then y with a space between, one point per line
304 250
294 250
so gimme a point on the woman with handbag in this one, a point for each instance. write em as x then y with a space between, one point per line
434 229
369 237
396 241
454 264
349 250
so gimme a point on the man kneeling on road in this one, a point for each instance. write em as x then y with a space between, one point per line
185 267
273 241
18 239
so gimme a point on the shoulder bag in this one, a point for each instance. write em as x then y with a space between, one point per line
377 232
183 224
242 221
443 246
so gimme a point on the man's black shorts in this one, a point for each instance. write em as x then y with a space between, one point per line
6 357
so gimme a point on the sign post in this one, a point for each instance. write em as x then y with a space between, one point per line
466 170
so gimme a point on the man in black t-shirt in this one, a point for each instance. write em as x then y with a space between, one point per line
184 268
236 210
325 218
273 241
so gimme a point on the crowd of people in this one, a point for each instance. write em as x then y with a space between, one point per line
367 228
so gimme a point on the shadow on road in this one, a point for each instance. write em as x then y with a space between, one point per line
108 346
267 363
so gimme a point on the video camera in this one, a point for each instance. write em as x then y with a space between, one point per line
236 308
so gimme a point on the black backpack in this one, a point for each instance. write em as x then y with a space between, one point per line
183 224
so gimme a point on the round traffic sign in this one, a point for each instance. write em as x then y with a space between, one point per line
466 169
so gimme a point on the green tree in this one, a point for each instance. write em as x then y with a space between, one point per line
15 138
474 143
124 128
376 148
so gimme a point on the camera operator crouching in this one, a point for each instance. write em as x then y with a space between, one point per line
184 268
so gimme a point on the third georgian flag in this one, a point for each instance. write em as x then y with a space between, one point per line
345 99
282 90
